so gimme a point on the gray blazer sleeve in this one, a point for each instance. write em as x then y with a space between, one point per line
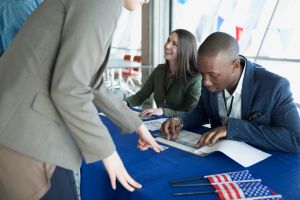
116 110
86 35
111 105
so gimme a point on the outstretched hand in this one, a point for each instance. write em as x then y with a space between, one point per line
146 140
116 171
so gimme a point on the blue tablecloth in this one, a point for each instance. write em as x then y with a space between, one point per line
280 172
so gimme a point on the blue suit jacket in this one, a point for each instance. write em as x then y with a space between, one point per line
13 14
269 117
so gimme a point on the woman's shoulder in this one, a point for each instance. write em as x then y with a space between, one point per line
194 80
161 67
158 72
195 77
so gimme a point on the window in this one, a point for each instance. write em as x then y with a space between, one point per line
266 30
127 36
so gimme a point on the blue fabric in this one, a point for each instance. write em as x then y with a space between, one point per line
13 14
280 172
270 118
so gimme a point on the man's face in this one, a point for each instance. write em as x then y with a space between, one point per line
216 71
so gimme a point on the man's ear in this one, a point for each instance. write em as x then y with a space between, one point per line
236 65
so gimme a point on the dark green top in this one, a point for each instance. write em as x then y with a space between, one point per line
174 96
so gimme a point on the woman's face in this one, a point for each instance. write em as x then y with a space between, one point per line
133 4
171 47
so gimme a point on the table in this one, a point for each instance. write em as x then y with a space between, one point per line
280 172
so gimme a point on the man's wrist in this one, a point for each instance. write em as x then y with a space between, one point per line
180 121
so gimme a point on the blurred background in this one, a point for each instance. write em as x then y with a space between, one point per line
267 32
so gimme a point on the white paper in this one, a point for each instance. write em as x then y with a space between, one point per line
240 152
154 125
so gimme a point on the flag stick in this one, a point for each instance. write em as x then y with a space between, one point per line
216 191
202 177
264 197
193 193
204 184
206 176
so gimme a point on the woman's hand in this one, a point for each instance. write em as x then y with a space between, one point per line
152 111
116 170
146 140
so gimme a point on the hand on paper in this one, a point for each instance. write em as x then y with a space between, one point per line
170 128
152 111
116 171
146 140
211 137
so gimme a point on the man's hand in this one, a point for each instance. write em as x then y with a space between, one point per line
146 140
152 111
116 170
170 128
211 137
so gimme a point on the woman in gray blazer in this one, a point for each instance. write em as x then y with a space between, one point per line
50 85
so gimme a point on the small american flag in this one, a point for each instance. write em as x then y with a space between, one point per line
230 176
231 190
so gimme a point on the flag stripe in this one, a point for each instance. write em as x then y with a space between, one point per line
211 179
218 178
220 193
237 193
226 178
228 191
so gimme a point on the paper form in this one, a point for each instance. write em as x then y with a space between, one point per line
154 125
240 152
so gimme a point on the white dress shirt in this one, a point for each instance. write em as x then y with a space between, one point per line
236 107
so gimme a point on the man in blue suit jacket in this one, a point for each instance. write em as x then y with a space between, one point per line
241 101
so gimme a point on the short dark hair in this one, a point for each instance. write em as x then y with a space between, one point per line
218 42
187 54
